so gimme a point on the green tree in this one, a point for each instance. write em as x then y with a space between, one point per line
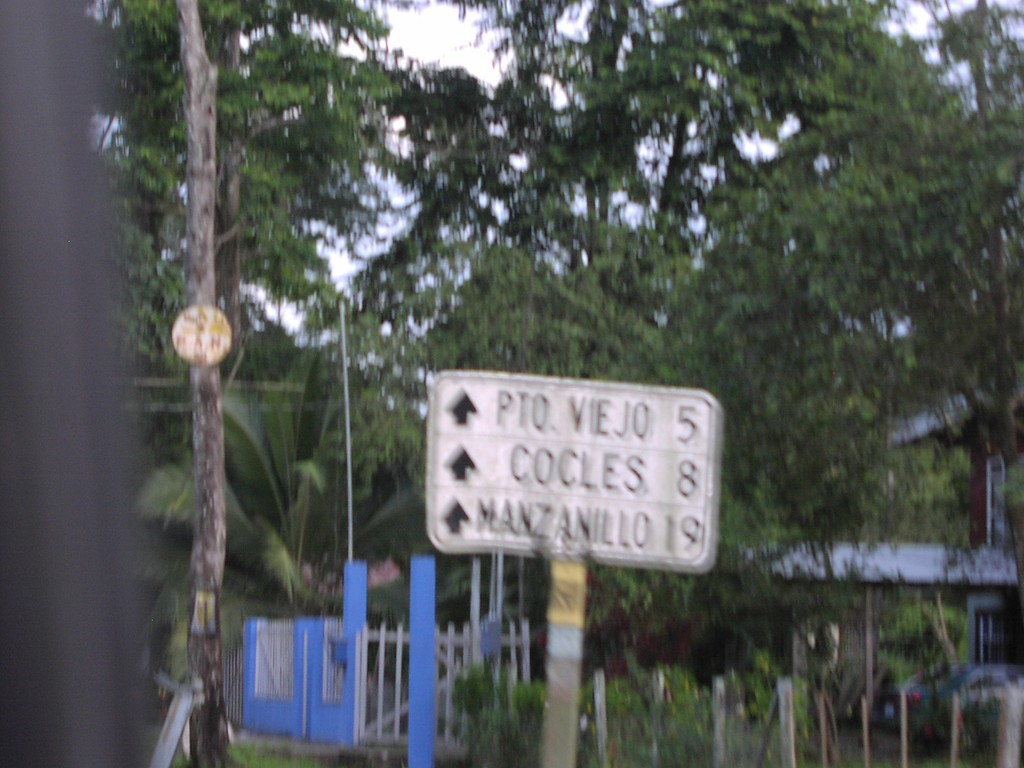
280 515
600 214
300 85
811 265
277 128
577 190
285 502
981 48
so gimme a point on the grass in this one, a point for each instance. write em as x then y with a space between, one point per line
885 754
259 756
253 756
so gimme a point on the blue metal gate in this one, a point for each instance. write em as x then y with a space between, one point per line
299 673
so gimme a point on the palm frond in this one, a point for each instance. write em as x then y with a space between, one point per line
312 472
249 463
168 496
279 564
400 508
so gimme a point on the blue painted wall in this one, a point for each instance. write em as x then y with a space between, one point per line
310 713
313 710
280 716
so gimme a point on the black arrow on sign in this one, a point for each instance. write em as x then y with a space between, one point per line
462 408
456 517
461 464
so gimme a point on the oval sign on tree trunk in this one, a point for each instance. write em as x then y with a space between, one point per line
201 335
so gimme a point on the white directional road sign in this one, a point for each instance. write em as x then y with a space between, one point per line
581 470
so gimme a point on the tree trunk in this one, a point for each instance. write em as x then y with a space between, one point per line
937 617
208 732
209 722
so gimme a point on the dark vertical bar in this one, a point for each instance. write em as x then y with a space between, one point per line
68 650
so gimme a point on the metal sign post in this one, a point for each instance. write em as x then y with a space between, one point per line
573 471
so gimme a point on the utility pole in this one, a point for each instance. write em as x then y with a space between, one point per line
208 733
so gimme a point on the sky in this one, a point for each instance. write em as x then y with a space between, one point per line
433 34
437 35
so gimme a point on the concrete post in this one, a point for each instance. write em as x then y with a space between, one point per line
1008 755
566 608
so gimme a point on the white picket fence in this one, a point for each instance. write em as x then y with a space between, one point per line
382 678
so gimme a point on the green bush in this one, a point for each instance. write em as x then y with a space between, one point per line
979 724
907 639
654 718
664 718
503 718
980 727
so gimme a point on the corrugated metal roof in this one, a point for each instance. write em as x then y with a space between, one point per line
920 564
951 415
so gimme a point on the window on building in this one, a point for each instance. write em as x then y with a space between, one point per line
990 637
995 514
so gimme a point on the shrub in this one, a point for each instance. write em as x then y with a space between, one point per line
503 718
979 724
654 719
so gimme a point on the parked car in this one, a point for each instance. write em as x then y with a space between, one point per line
930 696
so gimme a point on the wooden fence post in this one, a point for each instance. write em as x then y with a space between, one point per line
954 733
513 650
474 612
601 718
524 636
399 661
904 735
865 718
823 728
658 717
787 728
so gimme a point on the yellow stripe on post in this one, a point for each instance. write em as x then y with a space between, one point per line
568 600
